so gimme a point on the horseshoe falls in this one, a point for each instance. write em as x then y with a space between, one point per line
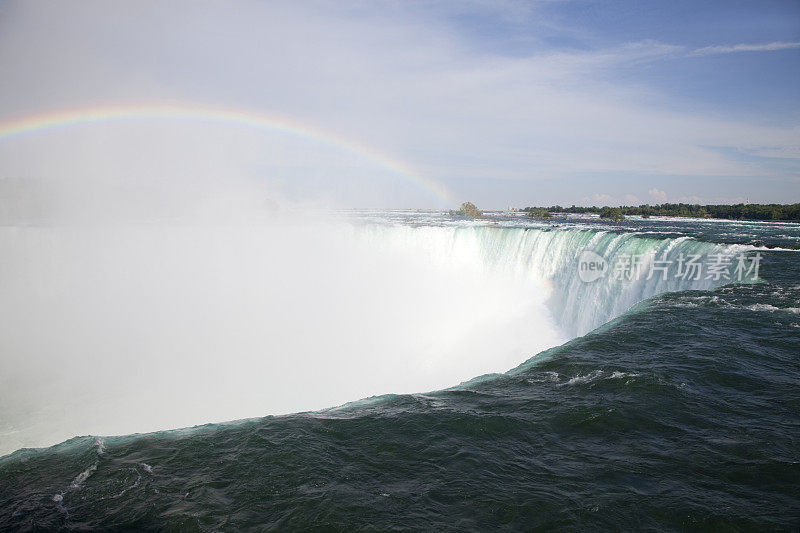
348 370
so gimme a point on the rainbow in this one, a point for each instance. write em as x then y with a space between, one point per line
72 117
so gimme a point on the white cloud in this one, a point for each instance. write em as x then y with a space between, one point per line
732 48
604 199
657 195
631 199
410 87
690 200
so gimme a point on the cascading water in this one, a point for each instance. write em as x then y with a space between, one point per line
579 306
550 258
142 328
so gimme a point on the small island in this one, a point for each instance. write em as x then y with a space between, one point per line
468 210
538 213
612 213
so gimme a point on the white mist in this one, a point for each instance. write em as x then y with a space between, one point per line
135 327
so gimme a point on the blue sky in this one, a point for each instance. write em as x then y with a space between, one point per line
749 82
731 59
503 102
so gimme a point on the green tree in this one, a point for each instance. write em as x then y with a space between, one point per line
468 210
537 212
612 213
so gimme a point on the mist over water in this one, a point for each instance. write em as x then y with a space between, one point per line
163 324
134 327
140 325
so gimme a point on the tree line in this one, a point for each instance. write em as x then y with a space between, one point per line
786 212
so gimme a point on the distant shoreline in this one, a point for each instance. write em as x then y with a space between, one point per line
751 212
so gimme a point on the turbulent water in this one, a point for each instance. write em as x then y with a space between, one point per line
637 400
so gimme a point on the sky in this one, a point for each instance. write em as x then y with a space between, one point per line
502 103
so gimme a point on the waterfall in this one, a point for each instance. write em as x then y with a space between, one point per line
133 328
550 259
